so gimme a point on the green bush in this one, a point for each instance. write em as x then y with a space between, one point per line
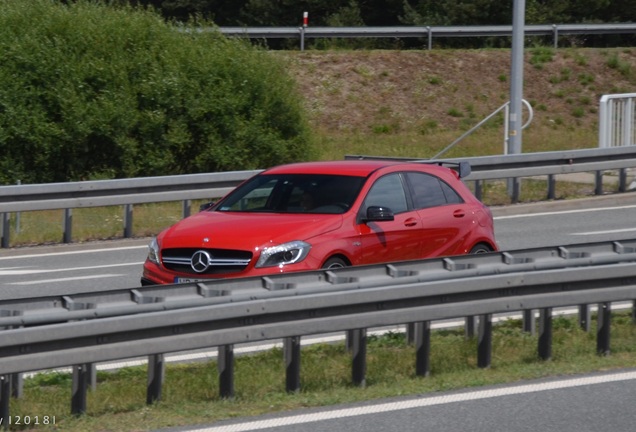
91 91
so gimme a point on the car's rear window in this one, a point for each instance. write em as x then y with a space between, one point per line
294 193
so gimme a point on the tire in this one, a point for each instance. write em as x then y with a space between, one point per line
335 262
480 249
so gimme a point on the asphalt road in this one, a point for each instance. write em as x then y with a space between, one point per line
117 264
589 403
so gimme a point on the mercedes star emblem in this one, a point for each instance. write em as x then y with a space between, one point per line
200 261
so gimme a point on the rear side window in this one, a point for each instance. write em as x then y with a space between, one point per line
430 191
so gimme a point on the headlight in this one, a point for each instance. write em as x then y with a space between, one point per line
153 251
287 253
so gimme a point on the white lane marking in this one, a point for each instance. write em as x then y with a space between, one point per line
40 255
564 212
35 282
420 402
604 232
29 271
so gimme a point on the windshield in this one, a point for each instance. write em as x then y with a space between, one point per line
294 193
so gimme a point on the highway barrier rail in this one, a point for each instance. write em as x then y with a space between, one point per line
428 32
86 327
185 188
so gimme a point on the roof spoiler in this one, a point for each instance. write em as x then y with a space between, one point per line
462 168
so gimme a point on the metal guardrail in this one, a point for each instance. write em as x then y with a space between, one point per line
429 32
28 308
222 313
547 164
185 188
126 192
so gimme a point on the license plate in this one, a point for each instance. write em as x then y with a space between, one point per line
180 280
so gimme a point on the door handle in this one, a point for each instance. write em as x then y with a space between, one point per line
410 222
459 213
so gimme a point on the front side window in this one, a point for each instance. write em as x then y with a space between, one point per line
388 191
294 193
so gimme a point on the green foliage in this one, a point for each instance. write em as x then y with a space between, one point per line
578 112
540 56
615 62
92 91
454 112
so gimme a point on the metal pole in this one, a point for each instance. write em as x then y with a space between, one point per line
156 374
17 216
291 348
516 85
484 342
79 389
516 77
359 364
225 365
422 332
302 30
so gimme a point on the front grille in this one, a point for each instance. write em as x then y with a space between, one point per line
221 260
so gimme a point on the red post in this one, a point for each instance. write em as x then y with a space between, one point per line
305 19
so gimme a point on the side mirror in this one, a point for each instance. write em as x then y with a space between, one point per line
379 214
206 206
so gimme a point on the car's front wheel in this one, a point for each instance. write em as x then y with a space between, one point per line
334 263
480 249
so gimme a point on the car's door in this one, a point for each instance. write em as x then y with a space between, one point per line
386 241
445 219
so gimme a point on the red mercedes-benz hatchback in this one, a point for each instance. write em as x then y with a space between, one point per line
314 215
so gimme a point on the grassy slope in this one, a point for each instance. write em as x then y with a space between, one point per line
414 103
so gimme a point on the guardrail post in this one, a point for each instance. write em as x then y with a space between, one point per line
478 189
17 385
5 396
585 317
186 206
422 348
128 220
349 340
622 180
551 186
598 180
359 364
156 372
634 312
291 348
484 344
470 326
603 332
225 362
410 333
68 226
529 323
545 333
6 226
514 190
80 386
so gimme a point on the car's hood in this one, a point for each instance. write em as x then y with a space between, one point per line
245 231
